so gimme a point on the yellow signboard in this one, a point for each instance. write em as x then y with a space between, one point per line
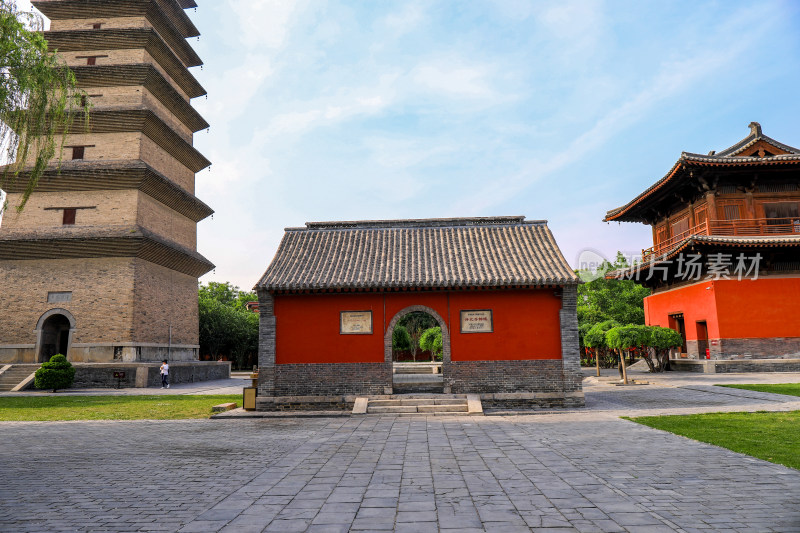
476 321
355 323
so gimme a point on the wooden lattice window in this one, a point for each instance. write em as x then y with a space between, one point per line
680 228
730 211
662 233
701 215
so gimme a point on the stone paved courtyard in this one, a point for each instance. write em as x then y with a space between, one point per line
572 471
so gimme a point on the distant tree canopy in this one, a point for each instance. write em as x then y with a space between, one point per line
416 323
611 299
38 96
227 328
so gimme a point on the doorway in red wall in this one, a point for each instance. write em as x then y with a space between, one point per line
676 322
702 338
419 340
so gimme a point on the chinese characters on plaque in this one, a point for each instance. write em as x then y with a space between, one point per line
476 321
355 322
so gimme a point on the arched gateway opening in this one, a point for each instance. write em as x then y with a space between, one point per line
54 334
425 371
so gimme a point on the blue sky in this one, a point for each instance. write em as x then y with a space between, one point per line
328 110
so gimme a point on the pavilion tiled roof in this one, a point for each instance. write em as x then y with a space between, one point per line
409 254
721 241
729 157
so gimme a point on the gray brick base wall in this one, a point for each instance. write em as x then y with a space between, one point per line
546 375
101 375
330 379
771 348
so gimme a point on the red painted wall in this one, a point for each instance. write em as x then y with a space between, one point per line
767 307
307 329
526 325
764 308
696 302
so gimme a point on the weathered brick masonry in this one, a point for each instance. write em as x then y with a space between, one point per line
107 242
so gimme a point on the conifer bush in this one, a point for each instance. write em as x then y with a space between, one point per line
57 373
401 338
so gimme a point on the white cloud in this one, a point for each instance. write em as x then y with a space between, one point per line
453 78
265 22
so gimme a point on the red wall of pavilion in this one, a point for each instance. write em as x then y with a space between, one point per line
733 309
526 325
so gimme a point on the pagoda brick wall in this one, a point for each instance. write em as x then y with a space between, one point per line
164 297
102 298
107 23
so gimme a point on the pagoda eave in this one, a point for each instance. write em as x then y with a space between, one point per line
146 75
83 175
78 9
95 242
143 120
123 39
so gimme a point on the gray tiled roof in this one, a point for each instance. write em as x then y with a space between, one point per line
737 242
429 253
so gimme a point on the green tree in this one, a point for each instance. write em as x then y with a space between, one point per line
57 373
416 323
611 299
227 328
431 341
624 339
595 339
37 98
660 341
401 339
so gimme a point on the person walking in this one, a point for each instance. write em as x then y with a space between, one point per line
164 374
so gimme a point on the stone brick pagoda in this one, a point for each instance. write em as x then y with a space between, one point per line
101 265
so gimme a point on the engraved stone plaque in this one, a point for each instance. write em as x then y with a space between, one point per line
355 323
476 321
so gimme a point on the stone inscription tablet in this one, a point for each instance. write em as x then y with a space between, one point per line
476 321
355 323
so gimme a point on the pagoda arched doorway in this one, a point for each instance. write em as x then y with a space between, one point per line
54 334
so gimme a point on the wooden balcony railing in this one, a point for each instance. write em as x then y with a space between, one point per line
745 227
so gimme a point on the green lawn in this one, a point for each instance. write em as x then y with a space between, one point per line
167 407
772 436
792 389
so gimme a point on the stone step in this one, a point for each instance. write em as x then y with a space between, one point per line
392 409
15 375
418 401
461 408
418 378
469 404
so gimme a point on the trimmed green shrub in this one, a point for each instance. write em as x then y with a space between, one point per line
625 337
401 338
595 339
662 340
57 373
431 341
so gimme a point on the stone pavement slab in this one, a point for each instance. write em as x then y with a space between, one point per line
562 470
533 472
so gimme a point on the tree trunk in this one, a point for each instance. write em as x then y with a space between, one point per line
597 359
624 369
